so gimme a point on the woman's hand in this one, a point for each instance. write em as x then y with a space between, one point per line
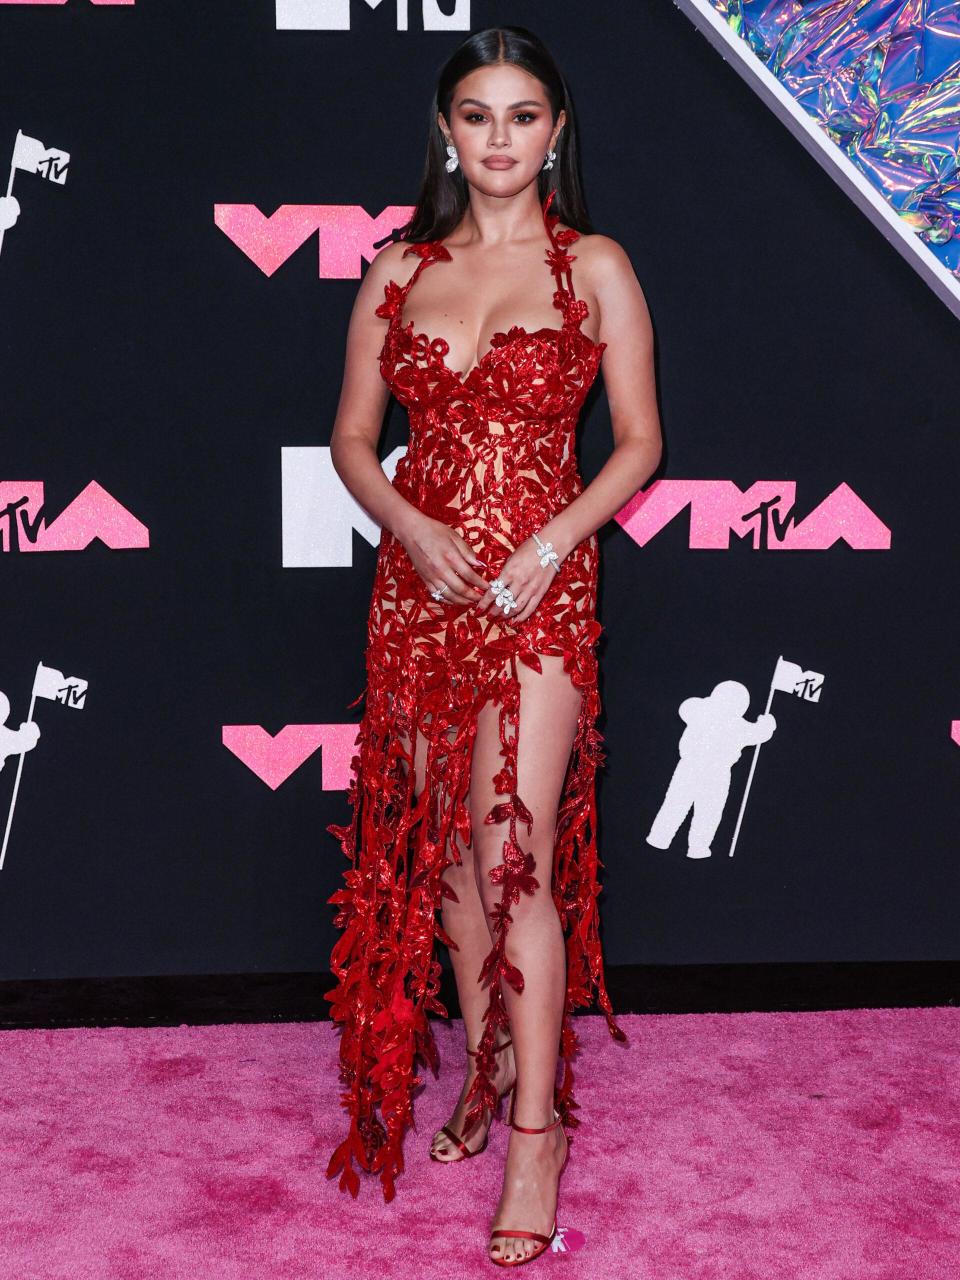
443 558
527 579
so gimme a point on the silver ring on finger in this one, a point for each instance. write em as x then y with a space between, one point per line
504 595
438 594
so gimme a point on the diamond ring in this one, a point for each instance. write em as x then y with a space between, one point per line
504 595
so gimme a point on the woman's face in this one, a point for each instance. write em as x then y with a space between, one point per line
501 125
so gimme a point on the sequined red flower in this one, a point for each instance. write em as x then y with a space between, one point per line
576 311
428 249
559 259
392 302
500 339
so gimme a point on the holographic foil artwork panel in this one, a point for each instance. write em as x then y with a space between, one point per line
872 89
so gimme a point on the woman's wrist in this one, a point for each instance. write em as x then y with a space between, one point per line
407 522
555 532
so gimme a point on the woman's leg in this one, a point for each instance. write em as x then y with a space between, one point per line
549 710
466 923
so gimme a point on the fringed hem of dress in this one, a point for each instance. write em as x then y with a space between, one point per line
387 975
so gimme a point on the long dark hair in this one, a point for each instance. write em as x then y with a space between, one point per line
443 196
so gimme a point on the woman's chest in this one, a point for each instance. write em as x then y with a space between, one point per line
522 374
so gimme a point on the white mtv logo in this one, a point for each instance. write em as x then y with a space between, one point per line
334 15
318 511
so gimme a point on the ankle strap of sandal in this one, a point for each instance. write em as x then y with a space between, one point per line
521 1128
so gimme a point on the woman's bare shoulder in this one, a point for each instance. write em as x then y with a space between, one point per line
391 264
607 277
388 266
602 257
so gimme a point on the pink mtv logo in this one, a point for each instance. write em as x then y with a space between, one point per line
346 234
274 758
93 513
764 512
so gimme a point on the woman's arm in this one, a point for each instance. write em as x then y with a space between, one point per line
629 379
437 552
363 401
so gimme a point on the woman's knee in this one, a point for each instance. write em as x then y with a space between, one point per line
489 857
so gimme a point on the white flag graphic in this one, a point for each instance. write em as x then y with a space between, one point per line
53 684
50 683
789 677
31 155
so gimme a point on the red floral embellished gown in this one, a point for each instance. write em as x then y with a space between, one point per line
492 455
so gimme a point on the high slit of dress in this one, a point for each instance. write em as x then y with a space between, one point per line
491 454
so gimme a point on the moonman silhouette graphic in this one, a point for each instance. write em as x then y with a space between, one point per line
710 745
13 742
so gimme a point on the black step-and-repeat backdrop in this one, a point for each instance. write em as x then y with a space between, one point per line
193 193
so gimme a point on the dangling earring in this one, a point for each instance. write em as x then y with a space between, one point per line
549 159
454 158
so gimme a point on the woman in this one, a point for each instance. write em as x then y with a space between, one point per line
473 791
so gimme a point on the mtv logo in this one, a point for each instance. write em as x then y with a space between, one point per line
334 15
765 512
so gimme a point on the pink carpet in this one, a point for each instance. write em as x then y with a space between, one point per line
800 1146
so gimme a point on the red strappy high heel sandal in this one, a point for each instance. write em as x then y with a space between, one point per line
466 1153
544 1241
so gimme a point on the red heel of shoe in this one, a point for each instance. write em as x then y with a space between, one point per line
455 1139
544 1241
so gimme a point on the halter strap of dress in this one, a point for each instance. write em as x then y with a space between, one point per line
429 251
558 258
